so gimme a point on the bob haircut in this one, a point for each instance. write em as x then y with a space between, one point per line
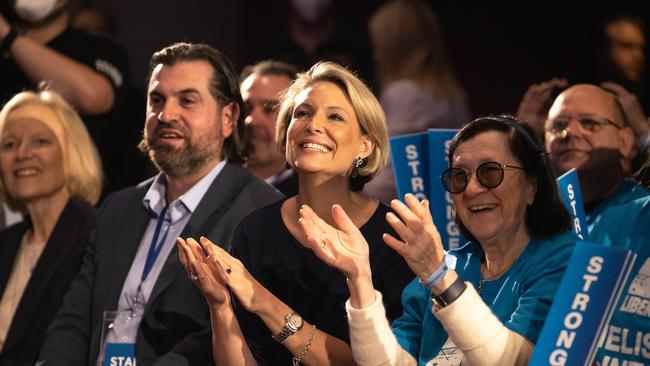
546 215
81 163
366 107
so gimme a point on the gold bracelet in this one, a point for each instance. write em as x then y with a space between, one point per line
297 360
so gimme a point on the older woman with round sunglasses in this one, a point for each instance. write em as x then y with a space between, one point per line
484 303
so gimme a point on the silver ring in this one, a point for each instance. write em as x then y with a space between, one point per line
194 276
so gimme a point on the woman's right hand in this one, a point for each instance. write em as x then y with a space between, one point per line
207 273
420 244
344 248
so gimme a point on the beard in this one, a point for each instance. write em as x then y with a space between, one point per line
186 160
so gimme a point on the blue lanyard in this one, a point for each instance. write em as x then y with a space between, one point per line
155 246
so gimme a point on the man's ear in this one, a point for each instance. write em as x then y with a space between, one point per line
627 143
366 147
229 117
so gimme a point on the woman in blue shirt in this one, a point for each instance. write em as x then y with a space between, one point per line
484 303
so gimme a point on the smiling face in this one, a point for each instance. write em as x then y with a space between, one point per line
31 157
496 214
185 126
324 134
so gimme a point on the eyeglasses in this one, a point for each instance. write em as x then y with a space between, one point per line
488 174
590 124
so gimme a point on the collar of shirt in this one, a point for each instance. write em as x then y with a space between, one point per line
279 177
155 200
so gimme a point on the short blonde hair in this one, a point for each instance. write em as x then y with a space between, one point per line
366 107
81 162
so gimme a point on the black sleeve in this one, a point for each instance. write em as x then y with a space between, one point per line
67 341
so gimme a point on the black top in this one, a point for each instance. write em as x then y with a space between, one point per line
301 280
50 280
116 132
98 52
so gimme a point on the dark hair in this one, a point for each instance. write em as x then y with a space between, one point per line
604 40
269 67
224 87
547 214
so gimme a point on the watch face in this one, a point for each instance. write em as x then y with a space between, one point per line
295 321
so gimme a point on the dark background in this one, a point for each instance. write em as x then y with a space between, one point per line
497 50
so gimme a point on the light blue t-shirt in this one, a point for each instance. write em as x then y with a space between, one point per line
626 341
520 298
629 191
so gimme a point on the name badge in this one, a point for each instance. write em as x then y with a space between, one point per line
119 354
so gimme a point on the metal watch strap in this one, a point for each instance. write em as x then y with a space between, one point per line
286 331
450 294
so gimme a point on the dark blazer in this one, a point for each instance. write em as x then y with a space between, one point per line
50 280
175 329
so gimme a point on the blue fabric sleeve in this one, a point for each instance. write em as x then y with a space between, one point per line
540 281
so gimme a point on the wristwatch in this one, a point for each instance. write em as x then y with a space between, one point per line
450 294
292 324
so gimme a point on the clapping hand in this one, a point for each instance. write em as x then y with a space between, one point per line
206 272
420 243
343 248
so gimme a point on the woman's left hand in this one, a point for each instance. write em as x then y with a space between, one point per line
421 245
249 292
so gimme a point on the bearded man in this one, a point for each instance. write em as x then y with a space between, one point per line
131 290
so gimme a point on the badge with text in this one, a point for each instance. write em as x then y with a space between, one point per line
569 187
583 305
119 330
119 354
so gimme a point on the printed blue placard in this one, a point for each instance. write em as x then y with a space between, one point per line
569 187
410 164
119 354
442 207
583 305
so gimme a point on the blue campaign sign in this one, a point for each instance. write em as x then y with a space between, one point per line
119 354
409 154
442 207
583 305
569 187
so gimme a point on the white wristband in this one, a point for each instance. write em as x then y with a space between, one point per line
448 263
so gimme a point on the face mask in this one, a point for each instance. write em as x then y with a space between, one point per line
311 10
34 11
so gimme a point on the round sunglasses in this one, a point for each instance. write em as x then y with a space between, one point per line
488 174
